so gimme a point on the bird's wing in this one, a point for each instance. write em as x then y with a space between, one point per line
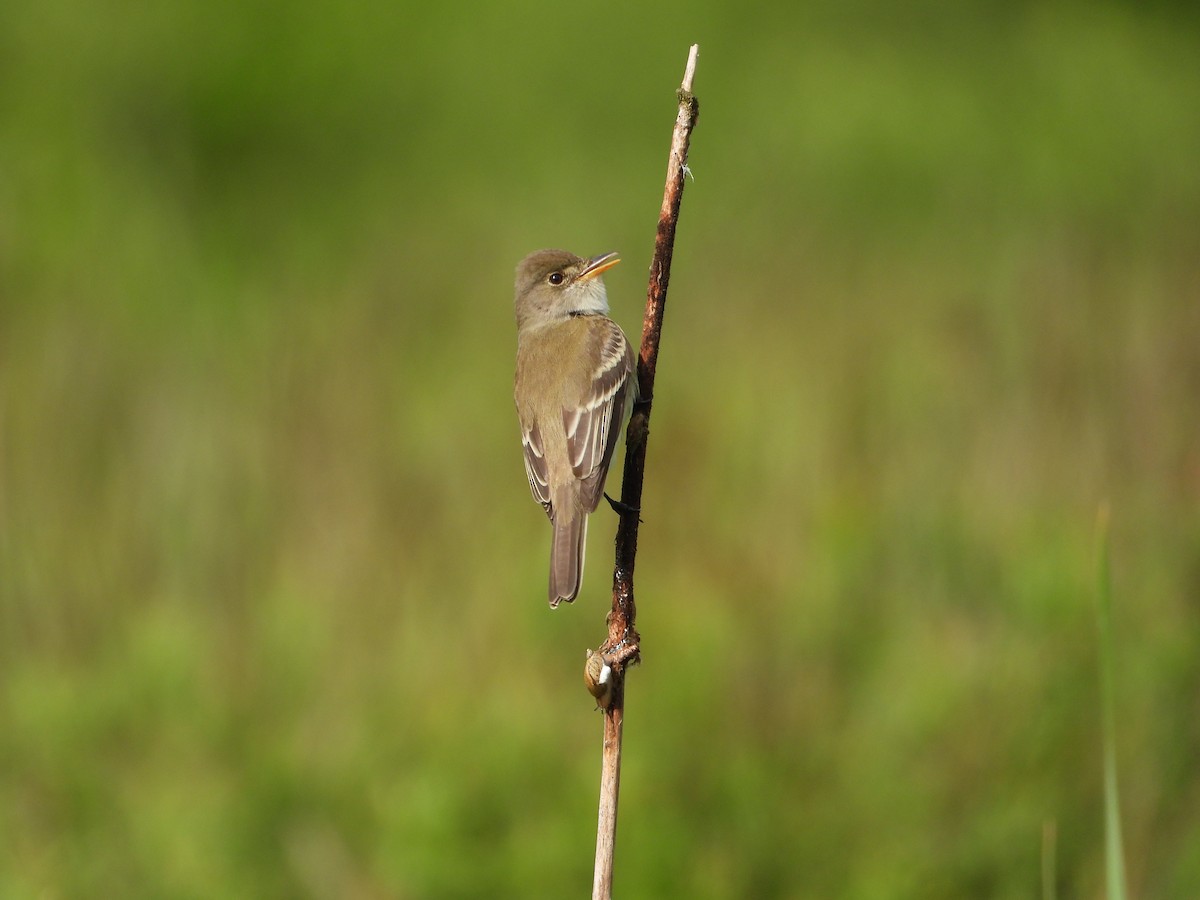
535 465
592 428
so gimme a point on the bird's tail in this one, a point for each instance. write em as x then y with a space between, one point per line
567 547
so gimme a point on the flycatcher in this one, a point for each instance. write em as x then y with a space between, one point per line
574 385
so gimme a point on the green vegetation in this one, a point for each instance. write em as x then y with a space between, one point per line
272 615
1114 850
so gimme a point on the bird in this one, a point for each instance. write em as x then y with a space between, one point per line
573 389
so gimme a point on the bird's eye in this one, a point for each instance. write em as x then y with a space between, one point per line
556 278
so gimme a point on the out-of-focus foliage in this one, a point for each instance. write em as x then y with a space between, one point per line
272 615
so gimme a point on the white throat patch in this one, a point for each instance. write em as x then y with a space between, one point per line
589 296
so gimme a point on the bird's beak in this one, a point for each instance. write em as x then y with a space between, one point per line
598 264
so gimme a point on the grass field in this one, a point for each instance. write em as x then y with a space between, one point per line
272 587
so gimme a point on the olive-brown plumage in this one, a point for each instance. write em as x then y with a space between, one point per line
574 385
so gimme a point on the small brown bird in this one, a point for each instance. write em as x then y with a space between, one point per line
574 386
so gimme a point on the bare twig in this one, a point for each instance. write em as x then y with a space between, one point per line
622 647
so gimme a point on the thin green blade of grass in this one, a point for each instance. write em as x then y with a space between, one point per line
1114 854
1049 860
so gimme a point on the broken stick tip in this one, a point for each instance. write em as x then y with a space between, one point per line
689 73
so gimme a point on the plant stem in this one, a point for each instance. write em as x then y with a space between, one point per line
1114 854
622 648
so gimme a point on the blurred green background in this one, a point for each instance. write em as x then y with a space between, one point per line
272 587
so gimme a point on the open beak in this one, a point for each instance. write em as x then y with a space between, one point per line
598 264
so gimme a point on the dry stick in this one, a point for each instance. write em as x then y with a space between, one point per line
621 649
